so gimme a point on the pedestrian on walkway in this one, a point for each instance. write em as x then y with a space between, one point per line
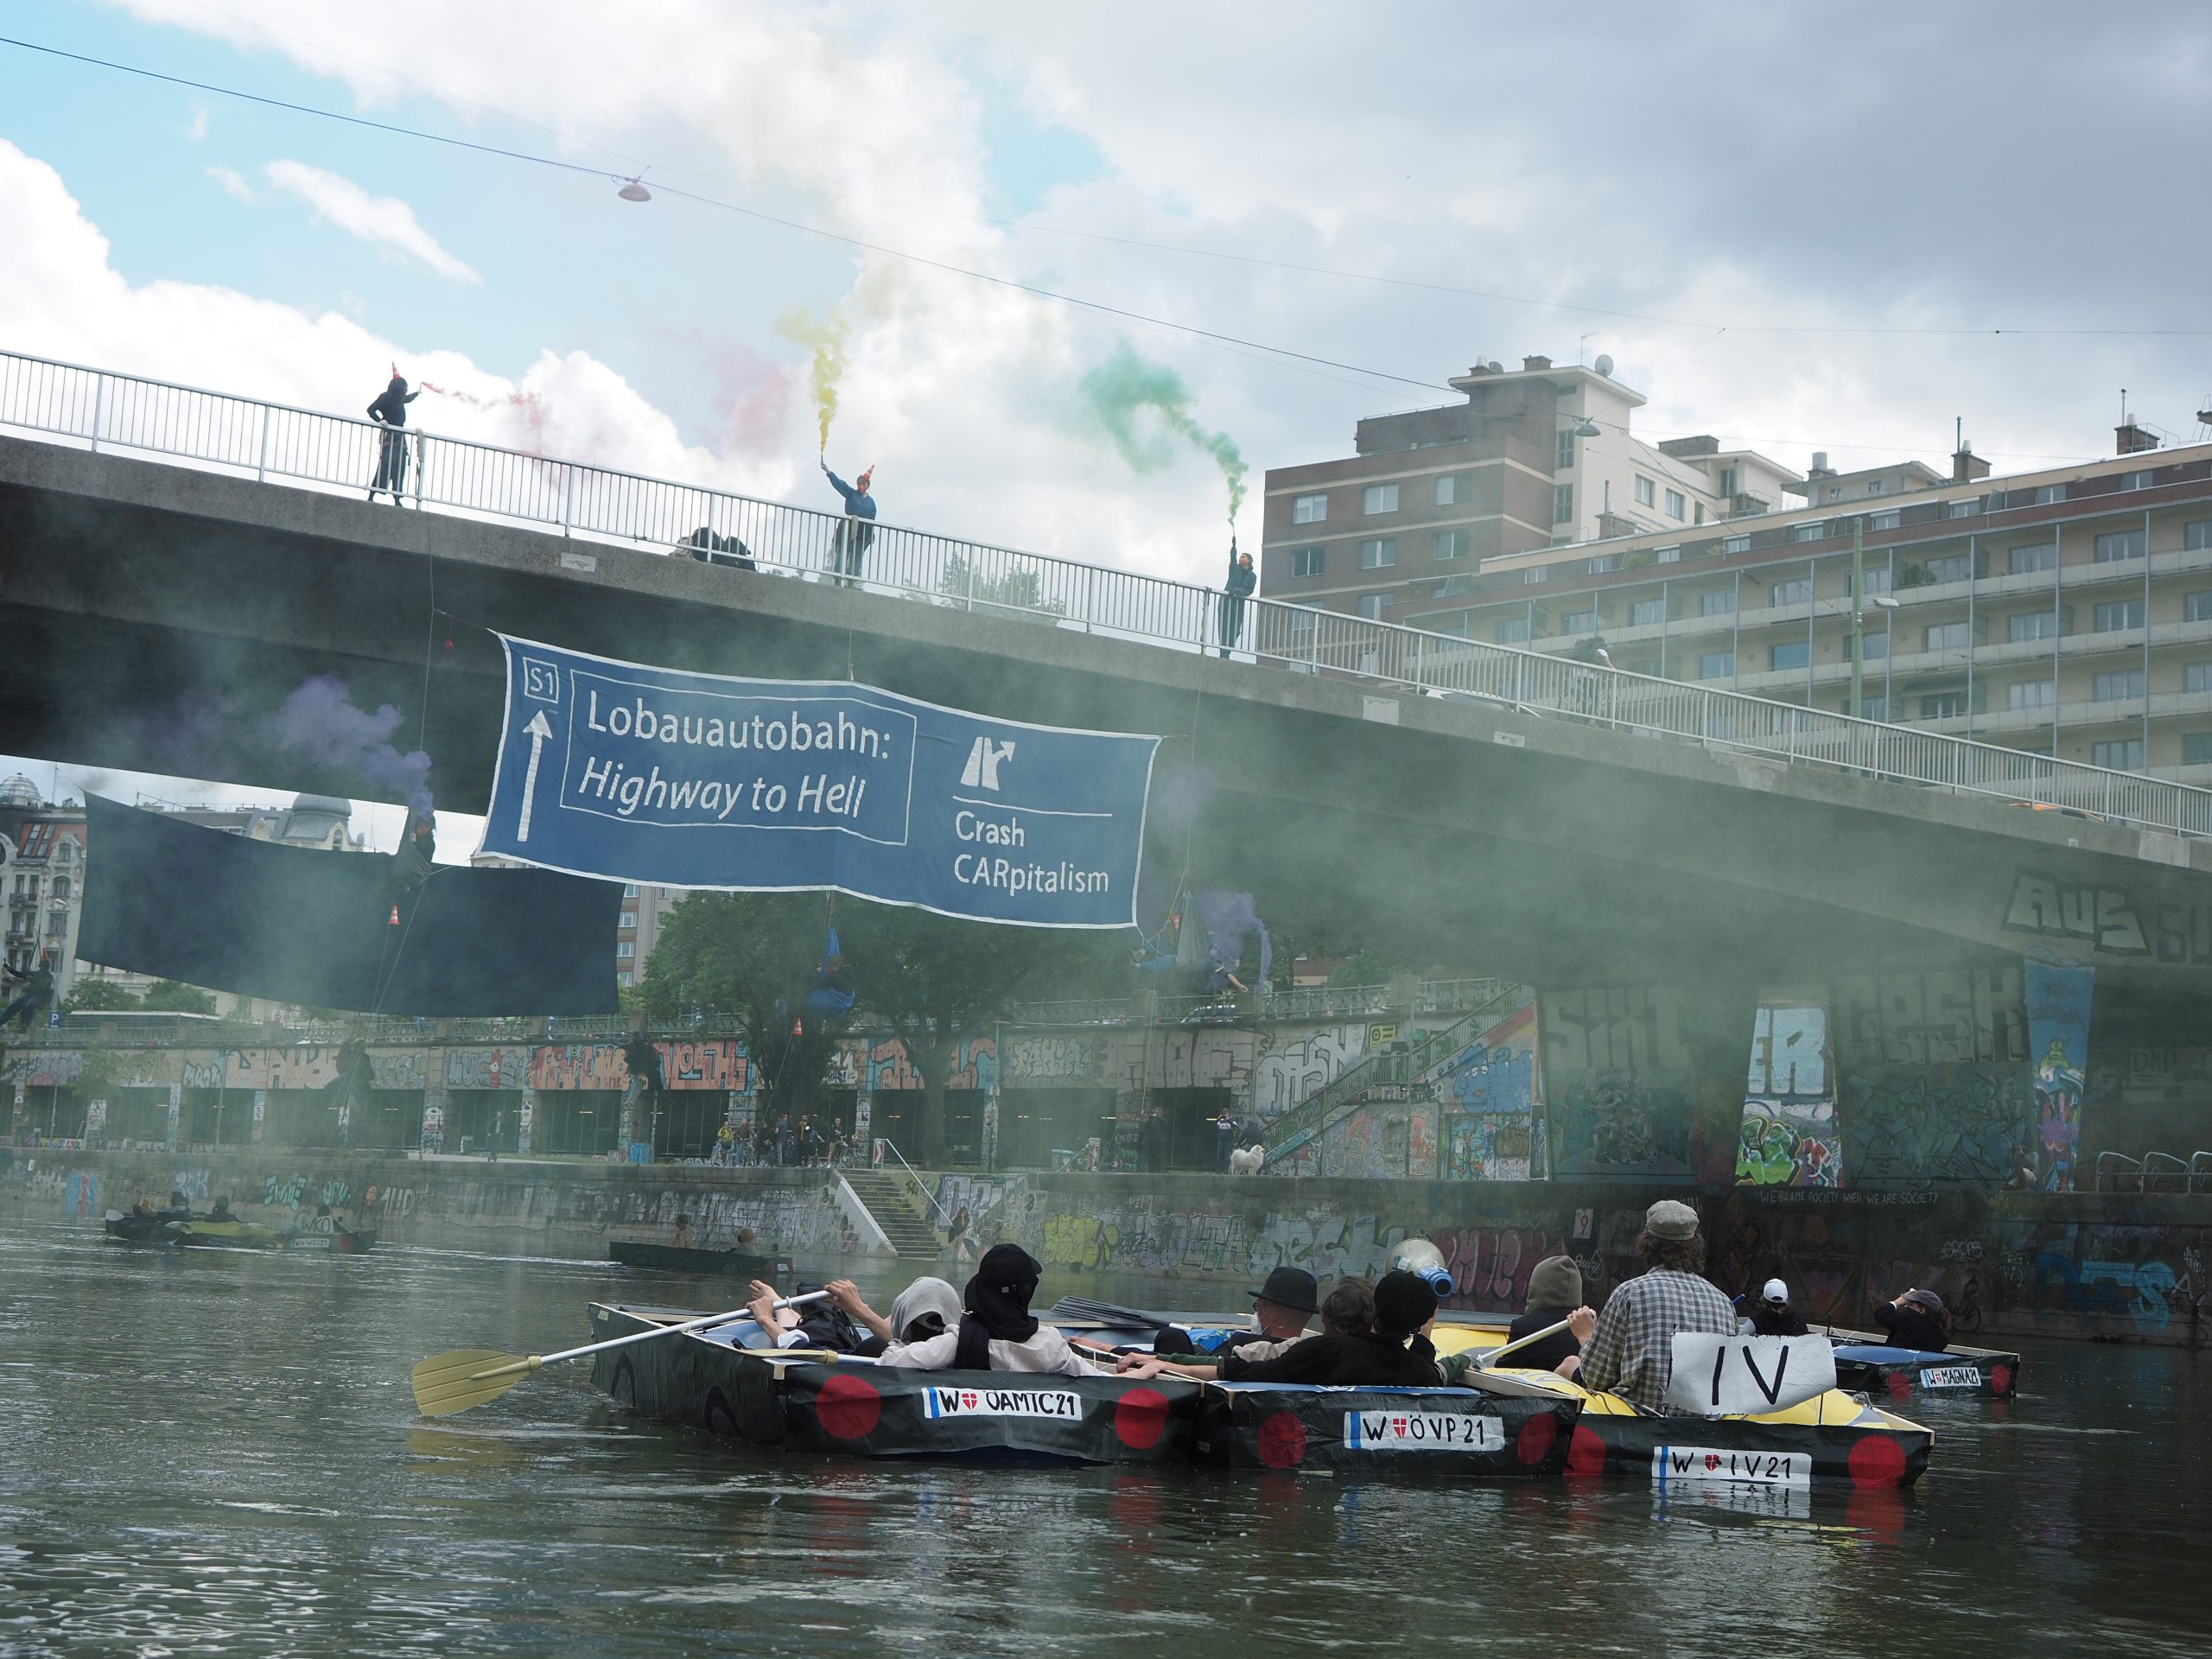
390 412
858 530
1241 579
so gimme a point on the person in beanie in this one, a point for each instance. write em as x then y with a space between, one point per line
1772 1316
1632 1352
1555 1294
1916 1319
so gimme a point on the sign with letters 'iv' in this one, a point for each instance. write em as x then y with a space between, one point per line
636 773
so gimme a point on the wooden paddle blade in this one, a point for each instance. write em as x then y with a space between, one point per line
446 1384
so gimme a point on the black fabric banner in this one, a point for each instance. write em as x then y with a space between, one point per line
207 908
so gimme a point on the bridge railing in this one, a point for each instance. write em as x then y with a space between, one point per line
271 441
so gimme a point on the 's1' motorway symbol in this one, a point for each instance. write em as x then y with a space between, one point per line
539 729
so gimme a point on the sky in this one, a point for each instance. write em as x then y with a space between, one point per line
1798 228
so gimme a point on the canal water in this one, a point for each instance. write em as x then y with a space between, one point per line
205 1454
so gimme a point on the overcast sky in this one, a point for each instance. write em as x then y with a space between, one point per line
1760 212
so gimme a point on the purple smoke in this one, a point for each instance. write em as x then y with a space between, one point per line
319 721
1226 921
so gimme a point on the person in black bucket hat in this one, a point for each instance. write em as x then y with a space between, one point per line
1281 1308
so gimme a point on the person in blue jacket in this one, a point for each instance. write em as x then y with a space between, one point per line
858 530
390 412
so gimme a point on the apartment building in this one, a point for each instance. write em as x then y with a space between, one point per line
2067 611
645 910
1529 459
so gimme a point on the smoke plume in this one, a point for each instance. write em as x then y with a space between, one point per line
1122 391
319 721
1226 921
825 337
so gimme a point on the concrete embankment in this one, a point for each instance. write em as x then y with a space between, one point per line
2105 1267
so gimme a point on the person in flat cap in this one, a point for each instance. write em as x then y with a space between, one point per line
1916 1319
1281 1308
1631 1353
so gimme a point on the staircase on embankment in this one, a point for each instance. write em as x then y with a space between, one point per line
889 1200
1313 1117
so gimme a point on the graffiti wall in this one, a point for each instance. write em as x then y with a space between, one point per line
2058 1042
1291 1063
1790 1142
1492 1102
1619 1068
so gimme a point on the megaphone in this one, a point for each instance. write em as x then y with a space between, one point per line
1423 1260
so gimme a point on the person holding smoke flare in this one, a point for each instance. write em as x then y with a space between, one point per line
390 412
858 530
1242 578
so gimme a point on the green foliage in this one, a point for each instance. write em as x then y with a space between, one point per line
168 996
1368 968
1021 591
99 996
97 1075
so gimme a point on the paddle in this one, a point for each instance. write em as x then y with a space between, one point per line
1486 1360
1082 1307
454 1381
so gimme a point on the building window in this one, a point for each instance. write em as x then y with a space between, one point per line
2196 676
2123 613
2046 494
1666 555
1798 590
1943 705
2118 686
1563 457
1371 606
2197 535
1716 665
1700 519
1676 503
1562 504
1876 708
1797 654
1888 520
2197 607
1965 508
1644 613
2119 545
1309 509
1646 492
1447 491
60 887
1735 544
2196 748
625 950
1535 573
2043 555
2035 624
1812 529
1875 486
623 977
1513 630
1946 636
1877 580
1873 647
1953 567
1580 621
1445 545
1722 603
1379 553
1304 619
629 889
1727 481
1307 561
2121 755
56 924
1605 563
2135 481
628 918
1379 498
2030 693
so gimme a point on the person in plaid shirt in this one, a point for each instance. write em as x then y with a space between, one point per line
1632 1352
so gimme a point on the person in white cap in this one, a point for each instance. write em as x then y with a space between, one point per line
1631 1353
1773 1315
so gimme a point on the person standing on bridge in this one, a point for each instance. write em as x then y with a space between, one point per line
1242 578
390 412
858 530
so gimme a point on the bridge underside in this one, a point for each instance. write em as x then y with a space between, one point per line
153 617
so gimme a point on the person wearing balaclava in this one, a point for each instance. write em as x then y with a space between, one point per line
390 412
1555 1294
996 1332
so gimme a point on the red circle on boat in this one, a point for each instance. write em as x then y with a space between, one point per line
1282 1441
1900 1384
2001 1379
1141 1418
1877 1460
1534 1442
849 1406
1585 1453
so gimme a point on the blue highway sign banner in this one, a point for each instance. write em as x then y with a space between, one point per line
636 773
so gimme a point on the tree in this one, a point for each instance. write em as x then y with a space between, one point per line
1017 592
97 996
168 996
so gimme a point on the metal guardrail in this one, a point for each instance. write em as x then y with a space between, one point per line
1297 1002
271 441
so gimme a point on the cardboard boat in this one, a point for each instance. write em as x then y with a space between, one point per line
234 1234
155 1232
339 1241
1479 1434
726 1264
1872 1364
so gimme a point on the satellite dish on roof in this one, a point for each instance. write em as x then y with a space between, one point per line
1495 366
1604 365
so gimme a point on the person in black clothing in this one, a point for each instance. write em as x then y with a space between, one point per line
1154 1139
1555 1294
1242 578
1918 1320
390 412
1393 1352
1280 1309
1773 1315
708 548
37 991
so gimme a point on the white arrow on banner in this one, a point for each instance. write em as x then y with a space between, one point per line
539 730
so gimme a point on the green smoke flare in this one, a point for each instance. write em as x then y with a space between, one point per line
1118 392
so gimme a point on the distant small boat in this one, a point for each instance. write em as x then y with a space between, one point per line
156 1231
1873 1364
321 1233
727 1264
228 1234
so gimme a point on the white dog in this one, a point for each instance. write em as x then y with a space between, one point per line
1246 1160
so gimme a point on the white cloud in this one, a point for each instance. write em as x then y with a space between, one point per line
382 221
198 129
232 182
